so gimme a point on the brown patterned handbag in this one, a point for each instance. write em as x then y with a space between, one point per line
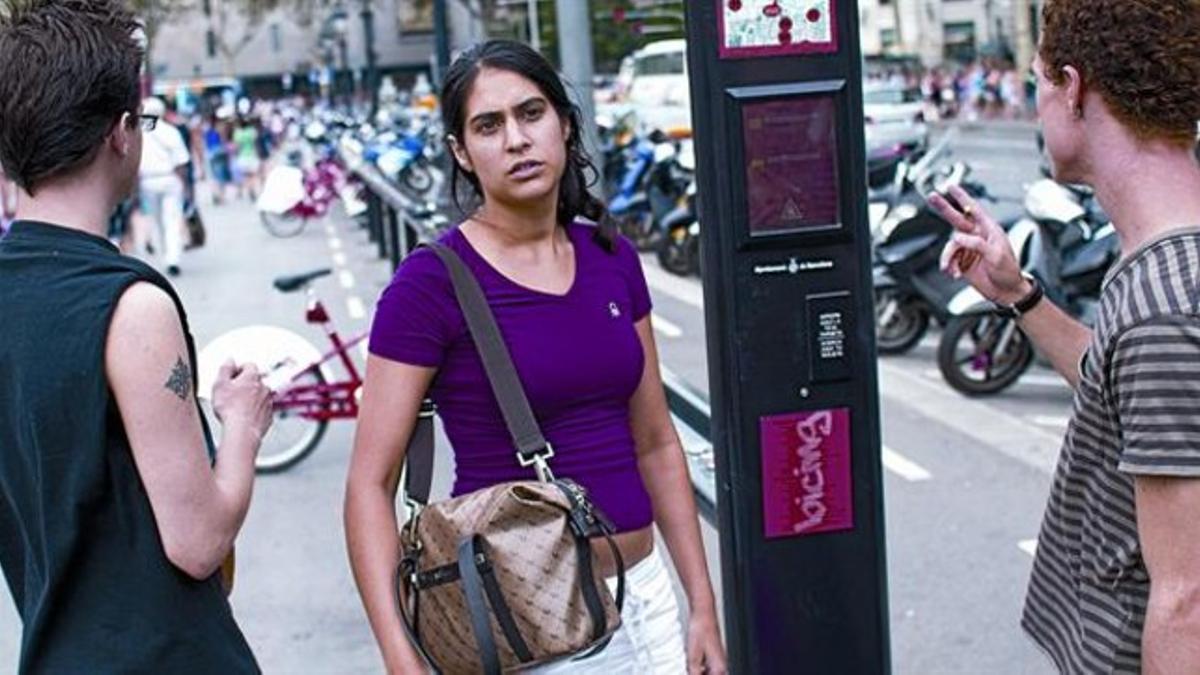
501 579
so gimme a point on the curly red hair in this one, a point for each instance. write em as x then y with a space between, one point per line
1142 56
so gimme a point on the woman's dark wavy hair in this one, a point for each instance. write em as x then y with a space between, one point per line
574 200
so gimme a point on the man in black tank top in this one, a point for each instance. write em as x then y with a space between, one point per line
115 513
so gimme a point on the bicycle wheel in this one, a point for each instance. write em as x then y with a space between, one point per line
280 355
292 437
284 225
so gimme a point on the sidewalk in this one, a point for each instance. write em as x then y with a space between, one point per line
1016 128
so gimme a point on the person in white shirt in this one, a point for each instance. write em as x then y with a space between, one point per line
164 160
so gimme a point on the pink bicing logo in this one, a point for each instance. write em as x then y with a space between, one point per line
806 473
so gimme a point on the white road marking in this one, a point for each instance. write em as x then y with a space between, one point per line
346 278
339 259
1051 421
355 307
335 243
1049 380
1029 546
989 425
665 328
683 290
904 467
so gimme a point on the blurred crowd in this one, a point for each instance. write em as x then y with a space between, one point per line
228 147
983 90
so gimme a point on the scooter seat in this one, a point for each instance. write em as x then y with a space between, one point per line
295 282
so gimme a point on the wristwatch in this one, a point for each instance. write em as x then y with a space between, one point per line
1026 304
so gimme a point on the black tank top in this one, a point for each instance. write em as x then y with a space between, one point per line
79 545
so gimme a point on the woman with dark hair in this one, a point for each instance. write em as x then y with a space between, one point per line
572 304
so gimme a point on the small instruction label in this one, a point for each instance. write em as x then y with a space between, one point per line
794 266
830 318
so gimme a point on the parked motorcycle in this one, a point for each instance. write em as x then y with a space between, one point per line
679 250
1069 249
617 139
661 168
910 288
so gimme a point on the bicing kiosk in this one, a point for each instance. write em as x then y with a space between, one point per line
777 112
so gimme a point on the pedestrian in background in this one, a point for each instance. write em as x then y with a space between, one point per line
246 158
115 515
1116 580
180 123
216 150
162 183
572 302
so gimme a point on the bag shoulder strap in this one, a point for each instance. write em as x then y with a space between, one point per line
528 440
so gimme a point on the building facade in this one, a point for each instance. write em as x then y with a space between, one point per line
284 51
940 32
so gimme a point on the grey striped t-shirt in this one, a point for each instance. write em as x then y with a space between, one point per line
1137 412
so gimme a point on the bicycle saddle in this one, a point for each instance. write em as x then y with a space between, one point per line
295 282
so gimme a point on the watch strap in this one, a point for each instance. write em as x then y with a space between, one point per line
1031 300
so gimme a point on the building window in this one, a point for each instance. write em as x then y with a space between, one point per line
960 41
276 38
887 38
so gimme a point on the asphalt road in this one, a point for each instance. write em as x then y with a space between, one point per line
966 480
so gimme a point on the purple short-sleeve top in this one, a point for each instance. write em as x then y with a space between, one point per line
577 354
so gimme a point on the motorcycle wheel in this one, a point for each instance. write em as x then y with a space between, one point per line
418 179
284 225
899 323
675 254
967 355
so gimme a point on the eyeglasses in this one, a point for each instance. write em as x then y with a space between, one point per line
147 122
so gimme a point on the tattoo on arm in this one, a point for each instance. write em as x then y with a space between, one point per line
180 382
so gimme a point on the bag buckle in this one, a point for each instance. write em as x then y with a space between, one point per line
539 464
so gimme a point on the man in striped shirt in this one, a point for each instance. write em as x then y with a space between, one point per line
1116 582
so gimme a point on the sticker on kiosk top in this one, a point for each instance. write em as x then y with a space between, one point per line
806 481
754 28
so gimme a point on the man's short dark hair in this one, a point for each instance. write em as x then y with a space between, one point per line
68 70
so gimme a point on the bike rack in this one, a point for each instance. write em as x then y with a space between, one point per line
392 228
389 223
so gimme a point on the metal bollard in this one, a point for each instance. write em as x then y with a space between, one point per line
396 243
374 215
387 238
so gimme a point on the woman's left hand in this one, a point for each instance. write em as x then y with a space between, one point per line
705 652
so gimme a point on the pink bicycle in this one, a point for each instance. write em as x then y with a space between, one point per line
306 395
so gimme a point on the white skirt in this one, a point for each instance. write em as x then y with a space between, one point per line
650 639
